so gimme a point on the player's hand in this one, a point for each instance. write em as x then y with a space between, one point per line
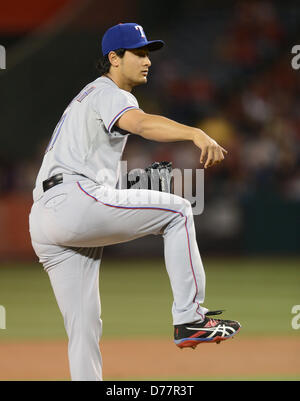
211 151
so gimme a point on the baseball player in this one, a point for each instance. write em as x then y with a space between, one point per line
78 208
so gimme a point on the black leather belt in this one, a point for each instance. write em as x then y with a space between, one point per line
52 181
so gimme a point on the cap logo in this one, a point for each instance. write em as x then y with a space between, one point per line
140 28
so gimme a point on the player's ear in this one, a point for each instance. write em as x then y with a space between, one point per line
114 59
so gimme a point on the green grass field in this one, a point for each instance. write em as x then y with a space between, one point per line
136 295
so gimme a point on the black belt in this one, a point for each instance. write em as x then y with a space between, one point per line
52 181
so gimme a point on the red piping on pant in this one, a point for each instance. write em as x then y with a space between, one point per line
156 208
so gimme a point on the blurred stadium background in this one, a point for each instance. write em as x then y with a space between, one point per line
226 68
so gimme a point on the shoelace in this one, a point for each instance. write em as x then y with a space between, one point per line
214 312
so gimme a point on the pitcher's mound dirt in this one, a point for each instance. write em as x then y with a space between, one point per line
154 358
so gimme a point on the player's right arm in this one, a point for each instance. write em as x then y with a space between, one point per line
161 129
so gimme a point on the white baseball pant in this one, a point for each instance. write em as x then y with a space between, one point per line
69 227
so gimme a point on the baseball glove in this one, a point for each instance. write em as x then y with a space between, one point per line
157 177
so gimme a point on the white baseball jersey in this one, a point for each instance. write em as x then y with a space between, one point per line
86 140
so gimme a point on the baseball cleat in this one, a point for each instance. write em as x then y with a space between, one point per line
208 331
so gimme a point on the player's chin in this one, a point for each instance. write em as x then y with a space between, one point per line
144 79
141 80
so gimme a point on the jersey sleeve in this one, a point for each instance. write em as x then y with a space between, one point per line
111 104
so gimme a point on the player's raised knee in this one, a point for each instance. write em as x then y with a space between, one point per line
187 207
186 204
182 205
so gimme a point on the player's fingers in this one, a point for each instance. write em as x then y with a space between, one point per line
203 154
216 156
210 160
212 154
220 154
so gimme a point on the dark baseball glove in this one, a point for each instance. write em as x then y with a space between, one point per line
157 177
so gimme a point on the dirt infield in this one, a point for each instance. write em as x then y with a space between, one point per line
145 359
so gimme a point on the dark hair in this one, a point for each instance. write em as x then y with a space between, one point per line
103 64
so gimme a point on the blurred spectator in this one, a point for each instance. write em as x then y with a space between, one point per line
254 32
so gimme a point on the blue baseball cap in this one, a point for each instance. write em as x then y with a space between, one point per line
127 36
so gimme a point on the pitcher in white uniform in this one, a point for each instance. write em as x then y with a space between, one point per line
78 208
